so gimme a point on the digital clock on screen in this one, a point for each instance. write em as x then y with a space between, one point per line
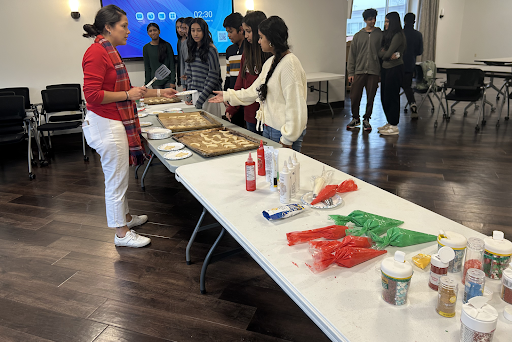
203 14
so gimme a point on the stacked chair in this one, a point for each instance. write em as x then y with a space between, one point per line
58 99
425 75
16 126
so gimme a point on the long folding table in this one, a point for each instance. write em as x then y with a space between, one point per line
172 165
345 303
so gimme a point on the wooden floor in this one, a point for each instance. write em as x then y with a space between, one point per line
62 278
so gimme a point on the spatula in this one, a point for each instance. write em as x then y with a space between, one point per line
160 73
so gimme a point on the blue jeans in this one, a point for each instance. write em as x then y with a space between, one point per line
252 127
275 135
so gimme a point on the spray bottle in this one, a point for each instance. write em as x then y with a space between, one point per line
284 185
291 169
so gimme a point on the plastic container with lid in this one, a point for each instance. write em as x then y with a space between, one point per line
447 297
497 254
475 284
478 321
474 256
439 266
396 278
458 243
506 286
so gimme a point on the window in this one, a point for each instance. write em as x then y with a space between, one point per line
382 6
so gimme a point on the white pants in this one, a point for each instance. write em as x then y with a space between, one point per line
108 138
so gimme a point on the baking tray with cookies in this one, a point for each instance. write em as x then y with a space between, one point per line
217 141
190 121
161 100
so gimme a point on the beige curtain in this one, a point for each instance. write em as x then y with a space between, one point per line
428 16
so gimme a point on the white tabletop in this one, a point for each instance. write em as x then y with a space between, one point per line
172 165
345 303
485 68
503 60
322 76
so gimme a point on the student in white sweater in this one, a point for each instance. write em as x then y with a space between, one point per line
280 89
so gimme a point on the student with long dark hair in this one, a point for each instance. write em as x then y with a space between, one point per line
184 29
111 125
203 67
392 73
280 89
156 53
251 64
178 50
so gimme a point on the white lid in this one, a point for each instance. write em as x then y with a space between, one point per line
452 239
507 273
488 293
507 313
497 244
478 315
443 257
397 267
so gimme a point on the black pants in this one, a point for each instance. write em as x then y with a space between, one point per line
390 84
406 86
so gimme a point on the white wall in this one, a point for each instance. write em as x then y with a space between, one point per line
43 45
449 30
473 29
486 30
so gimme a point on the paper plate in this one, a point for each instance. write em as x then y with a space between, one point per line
307 198
176 155
142 115
156 112
186 92
145 129
174 110
145 123
170 147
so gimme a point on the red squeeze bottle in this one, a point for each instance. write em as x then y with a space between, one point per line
250 174
261 160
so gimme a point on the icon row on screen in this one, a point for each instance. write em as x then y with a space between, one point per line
151 16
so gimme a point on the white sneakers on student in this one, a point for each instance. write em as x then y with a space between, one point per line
383 127
137 221
391 130
132 239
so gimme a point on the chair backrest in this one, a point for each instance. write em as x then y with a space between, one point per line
7 93
12 111
465 79
429 71
68 85
22 91
60 100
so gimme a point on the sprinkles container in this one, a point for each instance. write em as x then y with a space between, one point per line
478 321
506 286
458 243
497 255
396 278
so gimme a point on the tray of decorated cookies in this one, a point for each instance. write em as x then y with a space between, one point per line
181 122
216 141
161 100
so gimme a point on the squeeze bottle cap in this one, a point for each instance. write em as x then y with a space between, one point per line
250 158
261 143
285 167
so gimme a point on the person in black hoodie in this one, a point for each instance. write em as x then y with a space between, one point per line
414 49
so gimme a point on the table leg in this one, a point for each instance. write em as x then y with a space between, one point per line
197 229
136 170
206 262
327 95
151 156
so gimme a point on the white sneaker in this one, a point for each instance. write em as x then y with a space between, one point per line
137 221
132 239
391 130
383 127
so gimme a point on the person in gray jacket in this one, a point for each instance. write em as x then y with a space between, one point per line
364 68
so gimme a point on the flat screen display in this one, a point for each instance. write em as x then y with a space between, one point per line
164 13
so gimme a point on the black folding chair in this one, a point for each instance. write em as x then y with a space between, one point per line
69 85
56 101
7 93
15 126
466 85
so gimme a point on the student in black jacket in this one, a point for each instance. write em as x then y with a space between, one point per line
414 49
